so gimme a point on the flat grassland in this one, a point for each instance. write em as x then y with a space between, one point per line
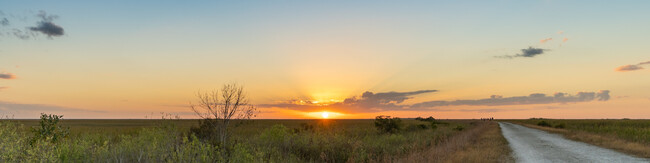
624 135
307 140
481 144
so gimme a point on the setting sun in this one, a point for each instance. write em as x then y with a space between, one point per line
324 115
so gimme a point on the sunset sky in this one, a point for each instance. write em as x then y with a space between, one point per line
353 59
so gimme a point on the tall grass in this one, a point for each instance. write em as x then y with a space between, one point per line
259 141
340 140
482 142
157 144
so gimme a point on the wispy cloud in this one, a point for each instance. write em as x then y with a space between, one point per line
46 26
535 98
631 67
527 53
5 75
394 101
367 102
628 68
7 108
382 101
531 51
603 95
494 110
564 40
4 22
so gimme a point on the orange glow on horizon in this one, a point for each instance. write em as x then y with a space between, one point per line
324 115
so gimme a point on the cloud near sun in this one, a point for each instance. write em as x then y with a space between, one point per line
635 67
393 101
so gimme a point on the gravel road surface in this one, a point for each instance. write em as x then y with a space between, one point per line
532 145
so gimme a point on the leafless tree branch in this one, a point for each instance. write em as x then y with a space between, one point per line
220 107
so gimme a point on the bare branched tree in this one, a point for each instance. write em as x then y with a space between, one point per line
219 108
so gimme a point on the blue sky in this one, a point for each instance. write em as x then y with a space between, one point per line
151 56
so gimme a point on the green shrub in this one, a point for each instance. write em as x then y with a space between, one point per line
206 130
276 134
12 142
242 153
386 124
544 124
561 125
193 150
49 129
428 119
41 150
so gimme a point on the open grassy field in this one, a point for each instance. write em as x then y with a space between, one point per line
307 140
625 135
483 143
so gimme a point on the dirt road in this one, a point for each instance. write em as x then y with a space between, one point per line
532 145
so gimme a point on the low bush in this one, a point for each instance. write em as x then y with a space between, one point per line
544 124
49 129
12 142
561 125
386 124
428 119
206 130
